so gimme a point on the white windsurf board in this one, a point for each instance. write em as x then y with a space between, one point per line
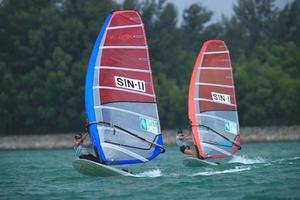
91 168
195 162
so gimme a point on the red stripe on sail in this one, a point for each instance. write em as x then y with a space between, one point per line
129 58
125 37
109 96
121 18
216 60
206 92
133 58
238 142
222 77
212 106
109 78
216 46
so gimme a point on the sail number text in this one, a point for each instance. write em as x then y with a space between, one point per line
129 83
221 98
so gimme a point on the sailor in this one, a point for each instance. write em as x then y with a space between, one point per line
181 141
81 149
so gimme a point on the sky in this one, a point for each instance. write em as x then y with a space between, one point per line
218 7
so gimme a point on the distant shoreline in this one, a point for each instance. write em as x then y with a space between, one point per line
65 140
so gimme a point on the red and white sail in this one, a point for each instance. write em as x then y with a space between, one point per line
212 102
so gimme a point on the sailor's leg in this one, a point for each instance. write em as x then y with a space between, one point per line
190 151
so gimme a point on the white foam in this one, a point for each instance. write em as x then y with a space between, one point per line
289 159
295 158
245 160
227 171
151 173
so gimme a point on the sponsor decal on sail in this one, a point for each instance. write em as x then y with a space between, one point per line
231 127
149 125
129 83
221 98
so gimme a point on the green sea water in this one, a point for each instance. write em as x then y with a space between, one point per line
258 171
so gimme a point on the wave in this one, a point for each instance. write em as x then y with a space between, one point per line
289 159
151 173
295 158
227 171
245 160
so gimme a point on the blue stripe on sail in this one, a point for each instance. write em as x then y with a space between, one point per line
156 152
89 97
225 143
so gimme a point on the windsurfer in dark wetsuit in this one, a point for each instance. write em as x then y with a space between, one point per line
81 149
181 141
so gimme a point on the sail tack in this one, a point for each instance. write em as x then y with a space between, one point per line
212 103
120 99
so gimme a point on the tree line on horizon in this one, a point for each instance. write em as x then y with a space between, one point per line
45 47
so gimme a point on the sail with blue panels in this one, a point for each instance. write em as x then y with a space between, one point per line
120 100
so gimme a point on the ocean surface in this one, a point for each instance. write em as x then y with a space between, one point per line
258 171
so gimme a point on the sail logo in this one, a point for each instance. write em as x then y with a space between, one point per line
149 125
121 37
128 83
221 98
231 127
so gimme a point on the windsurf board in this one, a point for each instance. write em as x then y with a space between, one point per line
91 168
195 162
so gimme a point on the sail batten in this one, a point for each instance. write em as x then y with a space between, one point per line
212 84
212 103
215 52
123 68
123 47
119 93
214 68
121 27
124 90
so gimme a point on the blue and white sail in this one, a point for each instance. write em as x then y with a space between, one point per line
120 100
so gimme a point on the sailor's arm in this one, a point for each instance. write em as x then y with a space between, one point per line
188 137
83 137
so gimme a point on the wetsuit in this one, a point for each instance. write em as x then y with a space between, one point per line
183 145
82 151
